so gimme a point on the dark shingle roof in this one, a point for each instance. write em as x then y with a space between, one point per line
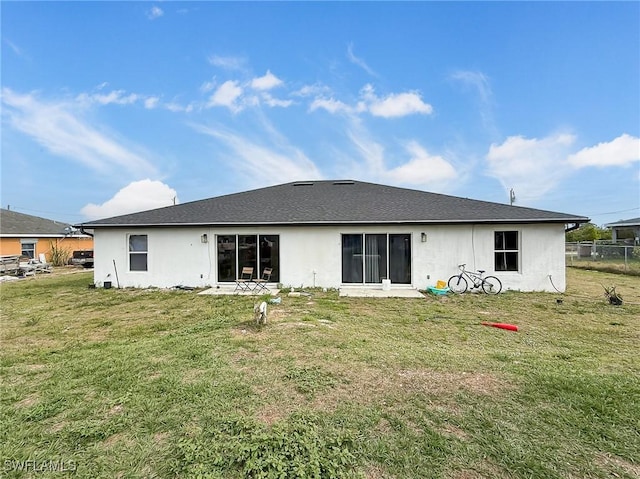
14 223
631 222
334 202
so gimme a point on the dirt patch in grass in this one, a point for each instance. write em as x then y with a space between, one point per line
35 367
114 439
454 431
274 412
117 409
482 471
608 460
376 472
370 386
192 376
27 402
160 438
436 382
59 426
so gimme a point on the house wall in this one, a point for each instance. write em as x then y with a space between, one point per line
13 246
311 256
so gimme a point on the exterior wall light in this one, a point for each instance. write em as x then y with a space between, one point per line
423 237
204 238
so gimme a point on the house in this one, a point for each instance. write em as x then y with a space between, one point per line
333 234
625 229
29 236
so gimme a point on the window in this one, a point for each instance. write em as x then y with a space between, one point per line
385 256
138 252
256 251
29 249
506 251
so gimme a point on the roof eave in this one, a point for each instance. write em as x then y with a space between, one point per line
37 235
338 223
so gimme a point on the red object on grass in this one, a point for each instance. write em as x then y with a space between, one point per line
510 327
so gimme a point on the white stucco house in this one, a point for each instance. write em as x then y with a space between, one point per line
332 234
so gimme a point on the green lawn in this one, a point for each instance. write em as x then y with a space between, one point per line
152 383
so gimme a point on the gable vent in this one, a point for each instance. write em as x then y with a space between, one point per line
346 182
303 183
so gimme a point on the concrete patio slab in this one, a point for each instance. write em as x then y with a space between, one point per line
230 290
379 293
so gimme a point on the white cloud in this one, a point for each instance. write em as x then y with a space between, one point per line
532 167
59 127
480 83
226 95
394 105
176 107
154 12
422 168
358 61
227 63
136 196
621 151
477 80
118 97
16 49
317 90
262 164
151 102
266 82
275 102
371 151
329 104
208 86
400 104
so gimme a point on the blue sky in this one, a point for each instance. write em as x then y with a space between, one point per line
112 107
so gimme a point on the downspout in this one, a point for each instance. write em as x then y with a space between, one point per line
82 230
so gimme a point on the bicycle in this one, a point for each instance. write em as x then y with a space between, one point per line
459 283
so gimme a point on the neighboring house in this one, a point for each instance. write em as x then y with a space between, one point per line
28 235
625 229
333 234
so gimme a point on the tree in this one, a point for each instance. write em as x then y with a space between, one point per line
588 232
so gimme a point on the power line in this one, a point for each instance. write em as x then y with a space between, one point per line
616 212
19 208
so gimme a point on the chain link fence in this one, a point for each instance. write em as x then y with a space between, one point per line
601 255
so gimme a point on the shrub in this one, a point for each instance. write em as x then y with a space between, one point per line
59 255
297 447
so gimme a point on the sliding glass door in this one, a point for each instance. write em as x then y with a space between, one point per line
227 258
400 258
240 251
370 258
352 259
375 258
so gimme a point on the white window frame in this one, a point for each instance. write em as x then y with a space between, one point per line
24 242
137 253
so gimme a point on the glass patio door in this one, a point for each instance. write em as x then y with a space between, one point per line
370 258
255 251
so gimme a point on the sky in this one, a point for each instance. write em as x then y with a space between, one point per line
113 107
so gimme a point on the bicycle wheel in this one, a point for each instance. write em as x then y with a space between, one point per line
491 285
458 284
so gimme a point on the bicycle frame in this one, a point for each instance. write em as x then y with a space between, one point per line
475 278
459 283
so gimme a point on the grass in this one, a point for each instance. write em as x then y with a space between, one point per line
616 266
153 383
